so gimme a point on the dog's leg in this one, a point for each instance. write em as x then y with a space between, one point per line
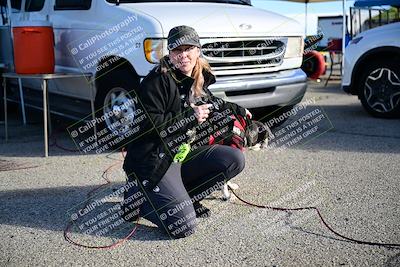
268 136
225 191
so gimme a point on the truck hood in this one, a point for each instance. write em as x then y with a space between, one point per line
212 19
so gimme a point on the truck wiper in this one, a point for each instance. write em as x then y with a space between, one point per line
243 2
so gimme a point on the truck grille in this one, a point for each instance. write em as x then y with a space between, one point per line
236 54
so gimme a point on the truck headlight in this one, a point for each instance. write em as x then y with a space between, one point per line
154 49
294 47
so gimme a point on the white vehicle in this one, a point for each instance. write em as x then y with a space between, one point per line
372 70
255 54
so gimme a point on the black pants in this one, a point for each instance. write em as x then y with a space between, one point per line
169 204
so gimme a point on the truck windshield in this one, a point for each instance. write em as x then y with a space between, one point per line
239 2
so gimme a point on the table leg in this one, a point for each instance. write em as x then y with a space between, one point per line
93 109
21 96
5 109
48 108
46 145
331 69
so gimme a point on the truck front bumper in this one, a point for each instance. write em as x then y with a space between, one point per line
251 91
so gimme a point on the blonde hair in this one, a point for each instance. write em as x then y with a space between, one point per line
197 73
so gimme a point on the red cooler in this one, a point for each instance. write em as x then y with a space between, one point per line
33 47
335 45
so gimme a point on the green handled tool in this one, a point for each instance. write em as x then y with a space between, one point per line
184 150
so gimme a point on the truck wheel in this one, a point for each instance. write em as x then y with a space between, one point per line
114 103
379 88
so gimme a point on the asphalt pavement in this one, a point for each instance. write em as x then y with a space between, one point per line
329 153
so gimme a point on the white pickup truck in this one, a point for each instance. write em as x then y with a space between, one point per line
255 54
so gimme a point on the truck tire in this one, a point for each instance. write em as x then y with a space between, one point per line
114 102
379 88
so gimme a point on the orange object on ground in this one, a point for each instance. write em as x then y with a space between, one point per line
33 47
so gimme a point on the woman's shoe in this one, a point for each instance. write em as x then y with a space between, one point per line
201 211
130 215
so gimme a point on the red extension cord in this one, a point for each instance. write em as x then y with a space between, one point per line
320 216
89 194
104 176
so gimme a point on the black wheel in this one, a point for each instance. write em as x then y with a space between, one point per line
114 103
379 88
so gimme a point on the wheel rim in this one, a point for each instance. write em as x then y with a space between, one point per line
382 90
119 110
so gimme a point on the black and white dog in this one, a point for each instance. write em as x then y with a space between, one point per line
257 134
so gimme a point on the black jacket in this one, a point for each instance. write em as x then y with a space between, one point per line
163 99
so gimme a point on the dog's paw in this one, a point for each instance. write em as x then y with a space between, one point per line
256 147
226 194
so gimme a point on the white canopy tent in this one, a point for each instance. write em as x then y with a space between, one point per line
306 2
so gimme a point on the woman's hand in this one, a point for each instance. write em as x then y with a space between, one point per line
248 114
201 112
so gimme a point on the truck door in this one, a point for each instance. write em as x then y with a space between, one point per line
16 8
